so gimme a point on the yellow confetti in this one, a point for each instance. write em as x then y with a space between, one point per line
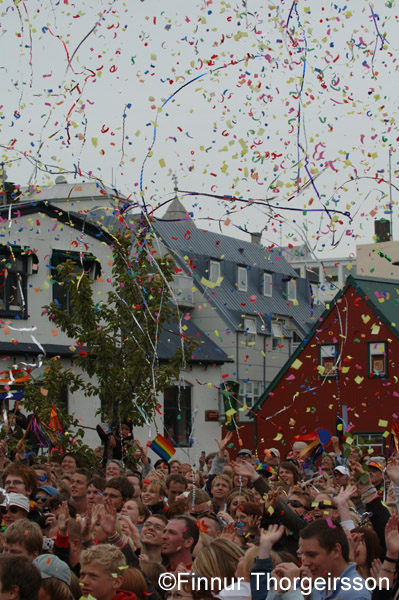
297 364
382 423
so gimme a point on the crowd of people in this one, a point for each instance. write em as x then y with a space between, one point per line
233 527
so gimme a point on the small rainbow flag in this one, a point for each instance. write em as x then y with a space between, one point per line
162 447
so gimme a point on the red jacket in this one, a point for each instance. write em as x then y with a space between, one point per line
122 595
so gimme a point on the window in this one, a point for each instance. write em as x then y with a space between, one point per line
373 440
87 262
296 340
177 417
267 284
249 393
377 356
291 289
249 332
297 271
331 276
327 360
277 333
15 266
214 271
242 277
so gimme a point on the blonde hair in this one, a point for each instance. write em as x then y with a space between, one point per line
219 559
158 486
109 557
222 477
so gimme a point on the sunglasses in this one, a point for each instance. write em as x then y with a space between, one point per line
196 515
12 509
324 504
295 504
40 498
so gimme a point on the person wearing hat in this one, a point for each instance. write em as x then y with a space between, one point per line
245 454
44 492
15 507
56 578
272 457
340 477
376 470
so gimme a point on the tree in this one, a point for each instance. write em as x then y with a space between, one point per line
117 338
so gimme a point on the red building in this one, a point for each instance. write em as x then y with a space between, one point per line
346 368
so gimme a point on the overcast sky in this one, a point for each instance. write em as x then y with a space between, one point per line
284 106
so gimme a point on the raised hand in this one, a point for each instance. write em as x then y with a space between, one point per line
222 444
392 537
344 495
268 539
63 519
288 571
245 469
108 519
229 531
393 470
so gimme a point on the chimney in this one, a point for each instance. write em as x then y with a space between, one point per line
256 237
382 230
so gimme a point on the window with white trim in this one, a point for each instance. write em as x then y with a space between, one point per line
242 279
377 355
249 393
249 332
291 289
277 334
267 284
214 271
328 360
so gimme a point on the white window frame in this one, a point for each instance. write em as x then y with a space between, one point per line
267 284
242 279
214 265
249 331
378 350
277 334
291 289
248 394
329 352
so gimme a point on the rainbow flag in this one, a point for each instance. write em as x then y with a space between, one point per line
162 447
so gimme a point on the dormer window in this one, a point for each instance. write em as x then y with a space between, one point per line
249 331
267 284
291 289
277 333
328 359
242 279
214 271
377 354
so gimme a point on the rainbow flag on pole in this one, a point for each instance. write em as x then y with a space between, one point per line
162 447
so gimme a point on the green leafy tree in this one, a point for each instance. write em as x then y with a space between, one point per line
117 338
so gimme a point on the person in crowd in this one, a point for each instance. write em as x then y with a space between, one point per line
16 507
70 463
23 537
151 537
56 578
79 481
119 490
220 489
153 495
178 542
101 573
19 578
176 485
114 468
136 511
95 490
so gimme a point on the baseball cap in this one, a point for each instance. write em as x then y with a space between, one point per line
244 451
50 565
342 470
49 489
18 500
376 465
275 452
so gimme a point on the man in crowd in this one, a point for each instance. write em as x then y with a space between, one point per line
178 541
119 490
79 490
101 573
19 579
176 484
24 537
151 535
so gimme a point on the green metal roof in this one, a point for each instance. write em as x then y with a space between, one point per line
382 295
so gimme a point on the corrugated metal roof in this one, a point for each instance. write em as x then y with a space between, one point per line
200 246
206 351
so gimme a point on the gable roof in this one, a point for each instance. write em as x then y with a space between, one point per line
184 240
65 191
71 219
382 295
